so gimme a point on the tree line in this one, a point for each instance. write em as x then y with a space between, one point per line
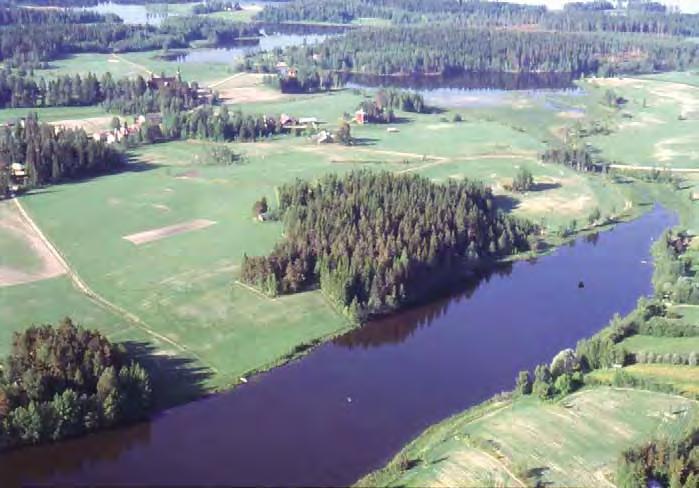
125 95
49 40
451 49
376 241
52 154
63 381
575 17
27 16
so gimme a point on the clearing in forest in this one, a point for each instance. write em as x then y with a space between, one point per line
169 231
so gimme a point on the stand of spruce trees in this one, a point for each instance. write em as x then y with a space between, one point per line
376 241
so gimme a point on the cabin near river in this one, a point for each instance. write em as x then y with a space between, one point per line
349 243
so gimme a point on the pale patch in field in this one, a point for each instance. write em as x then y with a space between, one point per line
169 231
247 88
472 467
545 202
189 175
112 60
570 115
676 147
90 124
12 222
439 126
161 207
643 120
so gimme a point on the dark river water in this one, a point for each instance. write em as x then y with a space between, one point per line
351 404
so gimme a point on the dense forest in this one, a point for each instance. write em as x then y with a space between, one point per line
54 39
644 18
376 241
449 49
125 95
64 381
51 154
223 125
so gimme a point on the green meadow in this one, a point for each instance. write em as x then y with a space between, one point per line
524 441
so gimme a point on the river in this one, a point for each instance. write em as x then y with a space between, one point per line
348 406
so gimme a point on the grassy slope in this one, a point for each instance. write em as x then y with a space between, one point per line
135 63
560 441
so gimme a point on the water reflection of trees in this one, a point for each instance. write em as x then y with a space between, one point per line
398 327
175 380
472 81
34 464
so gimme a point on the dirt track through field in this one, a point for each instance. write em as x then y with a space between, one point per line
99 299
13 222
169 231
139 67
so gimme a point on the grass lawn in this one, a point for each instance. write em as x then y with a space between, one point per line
662 345
658 126
53 114
135 63
560 442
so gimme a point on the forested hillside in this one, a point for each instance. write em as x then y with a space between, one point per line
450 49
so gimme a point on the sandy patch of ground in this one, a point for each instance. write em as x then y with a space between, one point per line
545 202
246 88
11 221
675 147
188 175
169 231
161 207
90 124
570 115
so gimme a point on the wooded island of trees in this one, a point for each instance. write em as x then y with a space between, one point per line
376 241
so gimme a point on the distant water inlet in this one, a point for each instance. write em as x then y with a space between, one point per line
474 89
348 406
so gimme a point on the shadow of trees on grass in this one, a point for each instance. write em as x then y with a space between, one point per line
175 379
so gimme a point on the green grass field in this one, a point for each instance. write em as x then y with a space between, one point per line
662 345
657 126
53 114
135 63
560 442
182 288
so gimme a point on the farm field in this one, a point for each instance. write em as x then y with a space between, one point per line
181 288
656 127
662 345
135 63
558 444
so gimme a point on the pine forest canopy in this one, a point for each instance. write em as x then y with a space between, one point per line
376 241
